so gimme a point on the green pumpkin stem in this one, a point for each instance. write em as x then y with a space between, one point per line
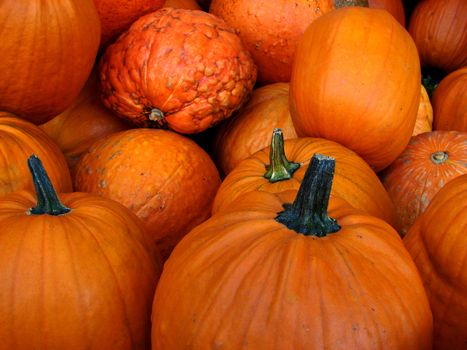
279 168
348 3
308 214
47 199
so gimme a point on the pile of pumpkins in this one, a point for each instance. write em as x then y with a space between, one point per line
224 174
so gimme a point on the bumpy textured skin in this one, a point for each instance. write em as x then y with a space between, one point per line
424 122
188 64
413 178
438 245
166 179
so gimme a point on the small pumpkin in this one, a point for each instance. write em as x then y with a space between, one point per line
438 245
74 274
291 275
424 122
429 162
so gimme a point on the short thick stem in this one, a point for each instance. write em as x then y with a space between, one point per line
439 157
279 167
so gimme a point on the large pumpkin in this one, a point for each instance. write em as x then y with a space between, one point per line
275 170
429 162
273 275
18 140
356 81
48 49
166 179
182 69
438 244
424 122
76 275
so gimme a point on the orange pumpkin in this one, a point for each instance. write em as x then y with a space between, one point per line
430 161
166 179
437 243
157 75
424 122
337 90
250 129
73 275
450 102
48 50
269 170
182 4
18 140
394 7
274 275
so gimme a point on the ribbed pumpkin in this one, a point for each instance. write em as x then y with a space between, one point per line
450 102
166 179
424 122
274 274
356 81
438 29
183 4
282 167
438 245
18 140
176 68
394 7
76 275
250 129
48 49
429 162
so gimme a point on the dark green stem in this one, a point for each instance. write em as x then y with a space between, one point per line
47 199
347 3
308 214
279 168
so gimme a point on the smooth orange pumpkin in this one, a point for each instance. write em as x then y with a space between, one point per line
18 140
394 7
275 170
48 50
250 129
179 69
438 245
182 4
166 179
73 275
424 122
429 162
275 275
450 102
356 81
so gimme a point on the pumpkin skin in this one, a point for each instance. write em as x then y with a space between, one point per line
18 140
394 7
450 102
429 162
354 180
188 85
85 122
271 30
438 29
166 179
250 130
183 4
265 286
437 243
48 50
84 277
336 90
424 122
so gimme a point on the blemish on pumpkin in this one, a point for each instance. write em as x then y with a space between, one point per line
103 184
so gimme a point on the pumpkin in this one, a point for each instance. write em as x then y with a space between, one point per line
450 102
48 50
182 4
271 30
116 16
250 130
438 29
437 243
291 275
337 91
156 75
166 179
74 274
424 121
394 7
430 161
18 140
282 167
85 122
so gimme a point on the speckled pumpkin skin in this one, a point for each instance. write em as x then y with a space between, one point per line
187 64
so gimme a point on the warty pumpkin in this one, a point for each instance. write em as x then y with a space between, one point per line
74 274
424 121
277 274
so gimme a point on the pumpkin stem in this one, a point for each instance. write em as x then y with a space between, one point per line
47 199
280 168
308 214
439 157
348 3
